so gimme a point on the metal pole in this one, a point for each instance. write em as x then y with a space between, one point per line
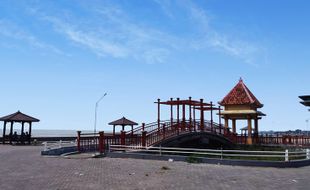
96 106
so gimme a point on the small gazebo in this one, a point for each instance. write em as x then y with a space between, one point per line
17 117
122 122
241 104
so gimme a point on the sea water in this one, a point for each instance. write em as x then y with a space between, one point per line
48 133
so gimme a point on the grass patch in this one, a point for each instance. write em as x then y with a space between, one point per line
194 159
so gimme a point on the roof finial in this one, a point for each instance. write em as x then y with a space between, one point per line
240 80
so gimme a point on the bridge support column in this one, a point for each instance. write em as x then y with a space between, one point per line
178 115
171 112
158 114
183 117
190 113
211 113
164 131
143 139
201 115
249 138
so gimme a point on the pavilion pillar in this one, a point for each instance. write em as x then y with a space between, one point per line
3 133
23 123
123 127
201 115
30 129
79 141
158 114
11 132
234 125
211 113
131 129
256 126
226 126
249 138
220 120
171 112
113 130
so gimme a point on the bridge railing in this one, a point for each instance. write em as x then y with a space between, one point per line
222 154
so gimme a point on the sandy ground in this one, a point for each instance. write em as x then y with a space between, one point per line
22 167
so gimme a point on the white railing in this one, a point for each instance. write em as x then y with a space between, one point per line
49 145
213 153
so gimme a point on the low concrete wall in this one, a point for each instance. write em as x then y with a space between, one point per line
277 164
59 151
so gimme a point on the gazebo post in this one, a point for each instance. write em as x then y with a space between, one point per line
3 134
30 129
123 127
22 131
131 129
11 132
113 130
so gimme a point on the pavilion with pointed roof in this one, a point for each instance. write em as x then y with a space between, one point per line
17 117
241 104
122 122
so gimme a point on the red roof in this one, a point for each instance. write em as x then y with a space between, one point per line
19 117
240 95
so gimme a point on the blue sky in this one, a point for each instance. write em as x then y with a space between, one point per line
59 57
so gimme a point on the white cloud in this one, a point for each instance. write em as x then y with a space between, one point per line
210 38
10 30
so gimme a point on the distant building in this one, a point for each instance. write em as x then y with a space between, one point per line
305 100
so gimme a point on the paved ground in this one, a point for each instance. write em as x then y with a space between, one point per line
22 167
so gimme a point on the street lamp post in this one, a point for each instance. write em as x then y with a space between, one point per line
96 106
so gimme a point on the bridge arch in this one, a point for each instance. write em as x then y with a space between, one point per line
197 140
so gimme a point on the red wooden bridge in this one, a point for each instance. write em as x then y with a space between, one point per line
239 104
152 135
161 131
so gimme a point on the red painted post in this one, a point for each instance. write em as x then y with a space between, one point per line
220 120
78 141
171 112
183 117
164 131
201 115
123 135
194 114
211 110
101 142
178 114
158 114
190 113
143 138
